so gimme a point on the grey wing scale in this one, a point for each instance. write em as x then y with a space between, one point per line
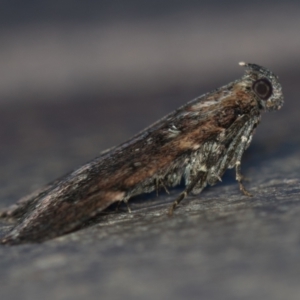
16 210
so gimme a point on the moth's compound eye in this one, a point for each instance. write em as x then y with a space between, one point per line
263 88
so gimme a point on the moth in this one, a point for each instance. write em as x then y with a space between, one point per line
196 143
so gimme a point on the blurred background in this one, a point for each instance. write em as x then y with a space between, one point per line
58 49
77 77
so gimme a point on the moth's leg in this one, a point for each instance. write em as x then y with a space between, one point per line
128 207
201 177
230 144
234 152
177 201
118 205
240 129
244 142
211 160
164 186
239 178
157 186
160 183
238 174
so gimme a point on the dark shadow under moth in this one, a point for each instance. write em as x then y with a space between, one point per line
196 142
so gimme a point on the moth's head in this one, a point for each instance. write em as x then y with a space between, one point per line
265 85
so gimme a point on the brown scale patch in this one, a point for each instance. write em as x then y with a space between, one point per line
204 105
169 152
235 103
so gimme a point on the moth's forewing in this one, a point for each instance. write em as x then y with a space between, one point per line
198 141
